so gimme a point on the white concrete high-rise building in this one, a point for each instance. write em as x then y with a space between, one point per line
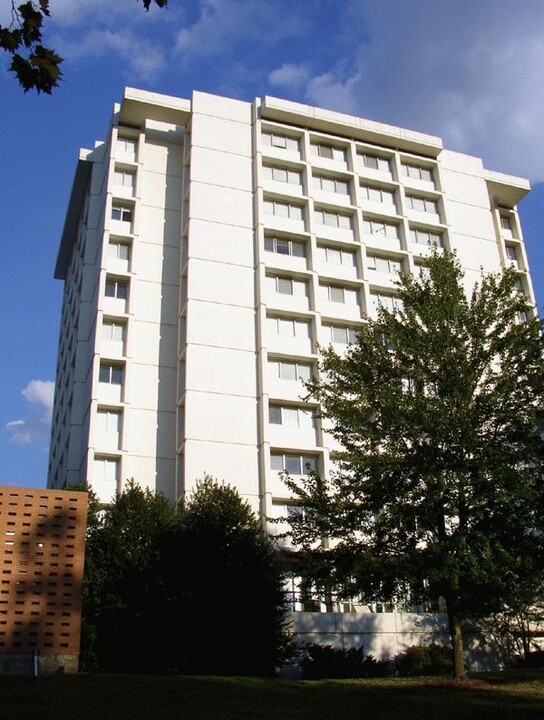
210 244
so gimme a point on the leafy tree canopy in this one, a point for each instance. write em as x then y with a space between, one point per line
195 589
35 66
439 491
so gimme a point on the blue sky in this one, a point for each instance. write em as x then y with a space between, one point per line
468 71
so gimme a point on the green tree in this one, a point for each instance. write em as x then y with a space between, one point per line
438 407
125 592
195 589
35 66
231 618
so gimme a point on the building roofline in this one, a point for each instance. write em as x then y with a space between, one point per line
350 126
507 190
140 105
77 198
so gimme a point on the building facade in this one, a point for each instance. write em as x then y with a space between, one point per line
210 246
41 560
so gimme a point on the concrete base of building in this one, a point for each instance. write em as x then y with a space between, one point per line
27 664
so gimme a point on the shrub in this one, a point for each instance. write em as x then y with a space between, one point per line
424 660
533 659
325 661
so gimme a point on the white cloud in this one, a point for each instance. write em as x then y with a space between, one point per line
143 57
40 392
289 76
34 430
468 72
330 91
223 24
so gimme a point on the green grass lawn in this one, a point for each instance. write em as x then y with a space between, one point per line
497 696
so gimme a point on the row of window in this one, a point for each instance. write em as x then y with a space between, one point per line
364 159
332 218
287 327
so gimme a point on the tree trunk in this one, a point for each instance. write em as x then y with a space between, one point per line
456 635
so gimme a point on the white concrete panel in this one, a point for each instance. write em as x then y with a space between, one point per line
236 465
221 325
161 158
222 243
160 226
142 383
221 418
220 370
470 220
331 233
154 302
145 338
217 133
220 107
465 188
340 311
278 301
156 263
286 262
140 435
330 198
223 205
281 344
475 254
284 224
282 188
221 283
142 469
291 437
466 164
379 242
216 167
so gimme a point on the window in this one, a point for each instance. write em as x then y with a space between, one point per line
283 246
290 416
422 204
106 469
280 174
507 225
379 227
511 254
332 219
116 289
330 152
333 256
287 327
108 421
124 178
280 141
286 370
292 464
378 195
425 237
383 264
126 146
122 213
340 334
417 172
328 184
333 293
374 162
283 209
119 250
287 286
421 271
112 330
111 374
387 302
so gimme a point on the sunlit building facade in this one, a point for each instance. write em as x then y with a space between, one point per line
210 246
